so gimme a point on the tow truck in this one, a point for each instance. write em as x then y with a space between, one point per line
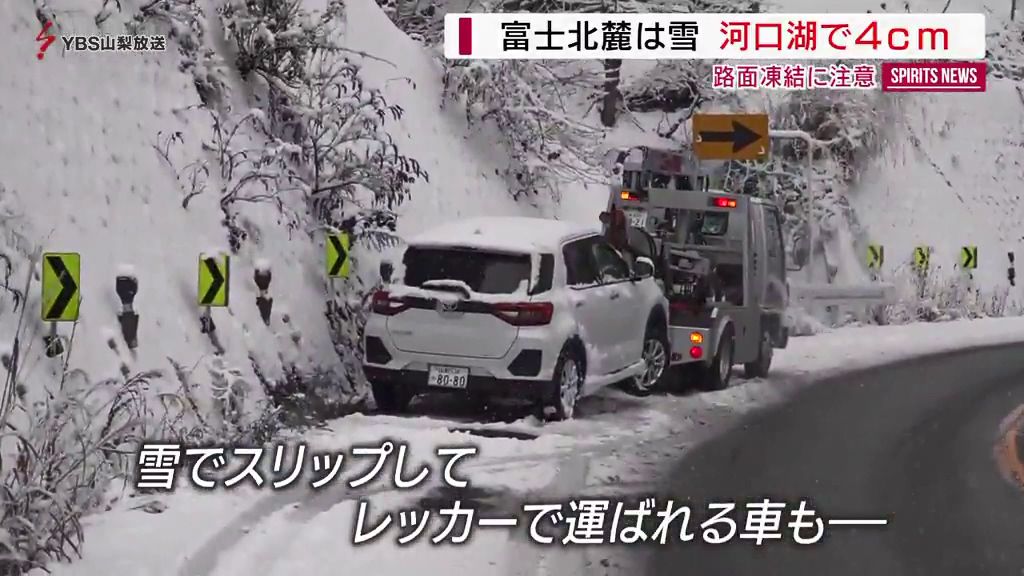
719 257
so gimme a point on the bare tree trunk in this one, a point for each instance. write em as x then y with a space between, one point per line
612 96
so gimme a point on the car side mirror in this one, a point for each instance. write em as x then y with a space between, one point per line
643 267
386 270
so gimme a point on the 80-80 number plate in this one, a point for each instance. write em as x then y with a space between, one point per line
448 377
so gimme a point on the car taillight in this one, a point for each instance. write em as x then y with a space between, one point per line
524 313
627 195
387 305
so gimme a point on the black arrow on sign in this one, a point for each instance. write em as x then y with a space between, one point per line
740 137
342 255
877 254
218 280
969 256
67 290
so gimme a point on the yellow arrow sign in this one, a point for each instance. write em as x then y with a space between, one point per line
214 280
969 257
731 136
338 262
62 272
876 256
922 255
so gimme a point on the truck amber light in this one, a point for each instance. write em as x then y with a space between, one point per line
696 338
696 352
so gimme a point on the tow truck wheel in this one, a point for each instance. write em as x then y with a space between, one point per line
716 375
759 368
655 356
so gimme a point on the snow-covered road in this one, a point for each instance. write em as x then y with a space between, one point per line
618 445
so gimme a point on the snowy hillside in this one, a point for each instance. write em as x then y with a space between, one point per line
950 177
115 156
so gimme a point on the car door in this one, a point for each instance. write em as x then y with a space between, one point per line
589 298
623 315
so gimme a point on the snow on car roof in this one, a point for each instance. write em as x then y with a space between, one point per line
504 233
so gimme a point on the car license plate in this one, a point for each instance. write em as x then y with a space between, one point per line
448 376
637 218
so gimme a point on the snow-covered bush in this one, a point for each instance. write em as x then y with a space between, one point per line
245 164
228 414
939 296
276 39
422 20
340 130
183 22
67 448
526 102
65 441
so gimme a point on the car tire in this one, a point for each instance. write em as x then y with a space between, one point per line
391 398
759 368
716 375
656 358
566 385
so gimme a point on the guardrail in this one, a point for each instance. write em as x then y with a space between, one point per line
837 295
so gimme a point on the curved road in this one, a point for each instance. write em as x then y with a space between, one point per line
913 443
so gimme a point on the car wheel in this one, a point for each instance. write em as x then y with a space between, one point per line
391 398
716 375
759 368
566 385
655 356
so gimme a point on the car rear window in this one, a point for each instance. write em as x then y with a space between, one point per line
484 272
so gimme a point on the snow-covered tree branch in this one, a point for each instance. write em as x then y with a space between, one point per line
546 145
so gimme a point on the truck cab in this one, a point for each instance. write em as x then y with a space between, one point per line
719 257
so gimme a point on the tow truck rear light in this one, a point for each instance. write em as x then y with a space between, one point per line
723 203
696 352
627 195
524 313
684 307
387 305
696 338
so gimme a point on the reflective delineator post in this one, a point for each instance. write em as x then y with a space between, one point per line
264 302
127 286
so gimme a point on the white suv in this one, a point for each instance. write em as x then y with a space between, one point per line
515 306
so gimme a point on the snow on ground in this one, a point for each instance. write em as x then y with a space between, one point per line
618 445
